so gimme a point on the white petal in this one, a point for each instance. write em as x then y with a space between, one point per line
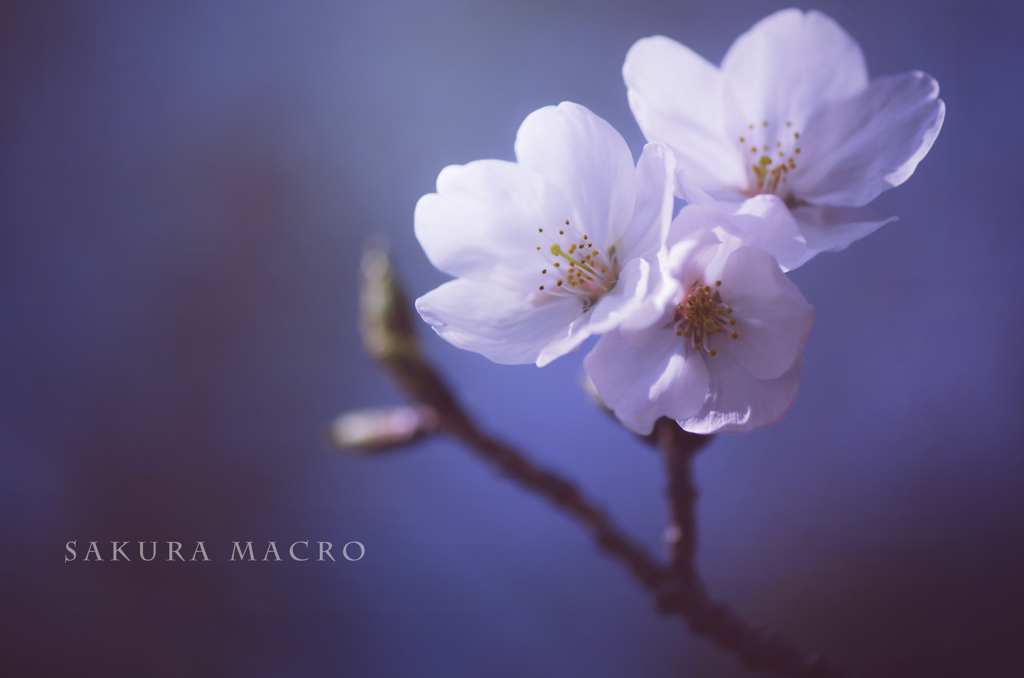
794 236
697 242
655 199
738 402
686 260
624 299
662 291
789 64
627 301
694 222
588 160
677 97
764 221
569 340
856 149
833 229
482 222
642 384
689 191
506 326
773 319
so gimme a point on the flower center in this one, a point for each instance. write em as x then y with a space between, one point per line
770 151
577 268
702 314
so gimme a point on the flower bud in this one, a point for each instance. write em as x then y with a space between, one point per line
377 430
386 324
385 320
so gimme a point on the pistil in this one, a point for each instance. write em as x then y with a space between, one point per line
701 314
777 157
589 273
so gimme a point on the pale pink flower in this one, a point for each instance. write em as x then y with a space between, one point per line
550 249
723 352
791 114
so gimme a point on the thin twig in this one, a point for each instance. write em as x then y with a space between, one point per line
390 339
560 492
678 447
757 648
678 589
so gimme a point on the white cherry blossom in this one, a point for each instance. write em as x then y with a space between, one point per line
723 353
790 113
550 249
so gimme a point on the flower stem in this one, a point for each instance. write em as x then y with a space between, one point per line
679 447
757 648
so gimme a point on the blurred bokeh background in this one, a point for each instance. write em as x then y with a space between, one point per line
185 188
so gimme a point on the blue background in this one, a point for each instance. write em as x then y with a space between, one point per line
184 192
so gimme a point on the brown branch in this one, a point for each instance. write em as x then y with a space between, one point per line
679 447
677 588
560 492
757 648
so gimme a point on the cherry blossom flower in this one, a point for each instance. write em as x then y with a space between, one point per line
789 114
723 354
548 250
